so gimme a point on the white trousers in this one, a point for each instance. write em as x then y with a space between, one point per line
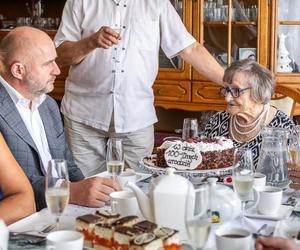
88 145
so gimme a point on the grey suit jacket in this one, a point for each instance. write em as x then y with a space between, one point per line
24 149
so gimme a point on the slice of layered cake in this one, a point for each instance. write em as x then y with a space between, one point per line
86 225
170 238
146 241
104 239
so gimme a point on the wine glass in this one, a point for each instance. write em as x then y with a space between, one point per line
115 157
243 177
57 187
190 129
198 216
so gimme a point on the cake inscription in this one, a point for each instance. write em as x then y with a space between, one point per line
183 156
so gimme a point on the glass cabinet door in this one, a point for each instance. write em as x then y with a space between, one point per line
175 68
231 27
287 37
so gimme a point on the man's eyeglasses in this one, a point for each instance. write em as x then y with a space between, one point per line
235 92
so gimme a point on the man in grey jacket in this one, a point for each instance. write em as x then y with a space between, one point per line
30 120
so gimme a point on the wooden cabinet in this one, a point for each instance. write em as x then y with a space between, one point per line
238 28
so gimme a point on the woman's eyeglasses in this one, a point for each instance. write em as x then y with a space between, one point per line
235 92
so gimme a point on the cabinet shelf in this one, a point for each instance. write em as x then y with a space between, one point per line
289 23
234 23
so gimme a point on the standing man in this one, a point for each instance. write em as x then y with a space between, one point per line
112 47
30 120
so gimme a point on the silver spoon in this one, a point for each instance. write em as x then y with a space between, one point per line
257 234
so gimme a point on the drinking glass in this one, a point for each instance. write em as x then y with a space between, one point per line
115 47
190 129
57 187
243 177
114 157
198 216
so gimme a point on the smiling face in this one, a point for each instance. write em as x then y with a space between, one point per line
243 103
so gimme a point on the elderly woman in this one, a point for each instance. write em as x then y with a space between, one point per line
248 88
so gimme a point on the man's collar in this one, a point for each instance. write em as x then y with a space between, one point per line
19 99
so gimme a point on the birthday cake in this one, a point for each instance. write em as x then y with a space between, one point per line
199 154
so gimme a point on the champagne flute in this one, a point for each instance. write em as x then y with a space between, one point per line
115 157
190 129
116 29
198 216
57 188
243 177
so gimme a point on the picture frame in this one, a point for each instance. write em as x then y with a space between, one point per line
245 53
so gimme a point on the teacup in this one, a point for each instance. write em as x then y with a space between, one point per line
124 203
64 239
233 239
259 181
269 200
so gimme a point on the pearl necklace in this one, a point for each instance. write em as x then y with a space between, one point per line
233 124
255 121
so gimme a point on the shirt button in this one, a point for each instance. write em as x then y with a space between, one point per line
123 48
113 71
117 4
122 70
125 5
124 27
111 92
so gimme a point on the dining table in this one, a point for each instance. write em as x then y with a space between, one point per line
43 218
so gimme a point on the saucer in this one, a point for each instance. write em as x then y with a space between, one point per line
287 229
283 213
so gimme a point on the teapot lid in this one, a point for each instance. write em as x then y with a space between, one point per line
212 181
171 183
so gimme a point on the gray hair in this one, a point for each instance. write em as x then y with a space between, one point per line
261 80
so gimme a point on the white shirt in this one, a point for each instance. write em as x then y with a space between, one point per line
98 85
32 119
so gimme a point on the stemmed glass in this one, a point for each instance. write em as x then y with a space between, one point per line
114 157
57 187
190 129
116 29
198 216
243 177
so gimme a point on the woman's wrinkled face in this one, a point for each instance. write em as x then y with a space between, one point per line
244 102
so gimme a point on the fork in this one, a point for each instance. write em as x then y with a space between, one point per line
44 231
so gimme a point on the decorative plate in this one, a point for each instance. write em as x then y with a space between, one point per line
148 165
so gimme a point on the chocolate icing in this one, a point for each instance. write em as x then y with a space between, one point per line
90 218
146 226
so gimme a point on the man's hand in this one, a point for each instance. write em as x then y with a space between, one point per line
92 192
275 243
105 37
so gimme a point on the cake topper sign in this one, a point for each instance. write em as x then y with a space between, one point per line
183 156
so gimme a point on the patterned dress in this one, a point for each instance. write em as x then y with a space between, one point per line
218 125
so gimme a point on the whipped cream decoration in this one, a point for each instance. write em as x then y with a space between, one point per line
144 238
183 156
163 232
222 143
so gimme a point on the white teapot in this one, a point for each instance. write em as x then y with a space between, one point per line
165 202
225 204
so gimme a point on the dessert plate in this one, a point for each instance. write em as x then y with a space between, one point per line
287 229
148 165
283 213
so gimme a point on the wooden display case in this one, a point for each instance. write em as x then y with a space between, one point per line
225 27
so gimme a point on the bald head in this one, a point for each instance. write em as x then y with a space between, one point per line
22 44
